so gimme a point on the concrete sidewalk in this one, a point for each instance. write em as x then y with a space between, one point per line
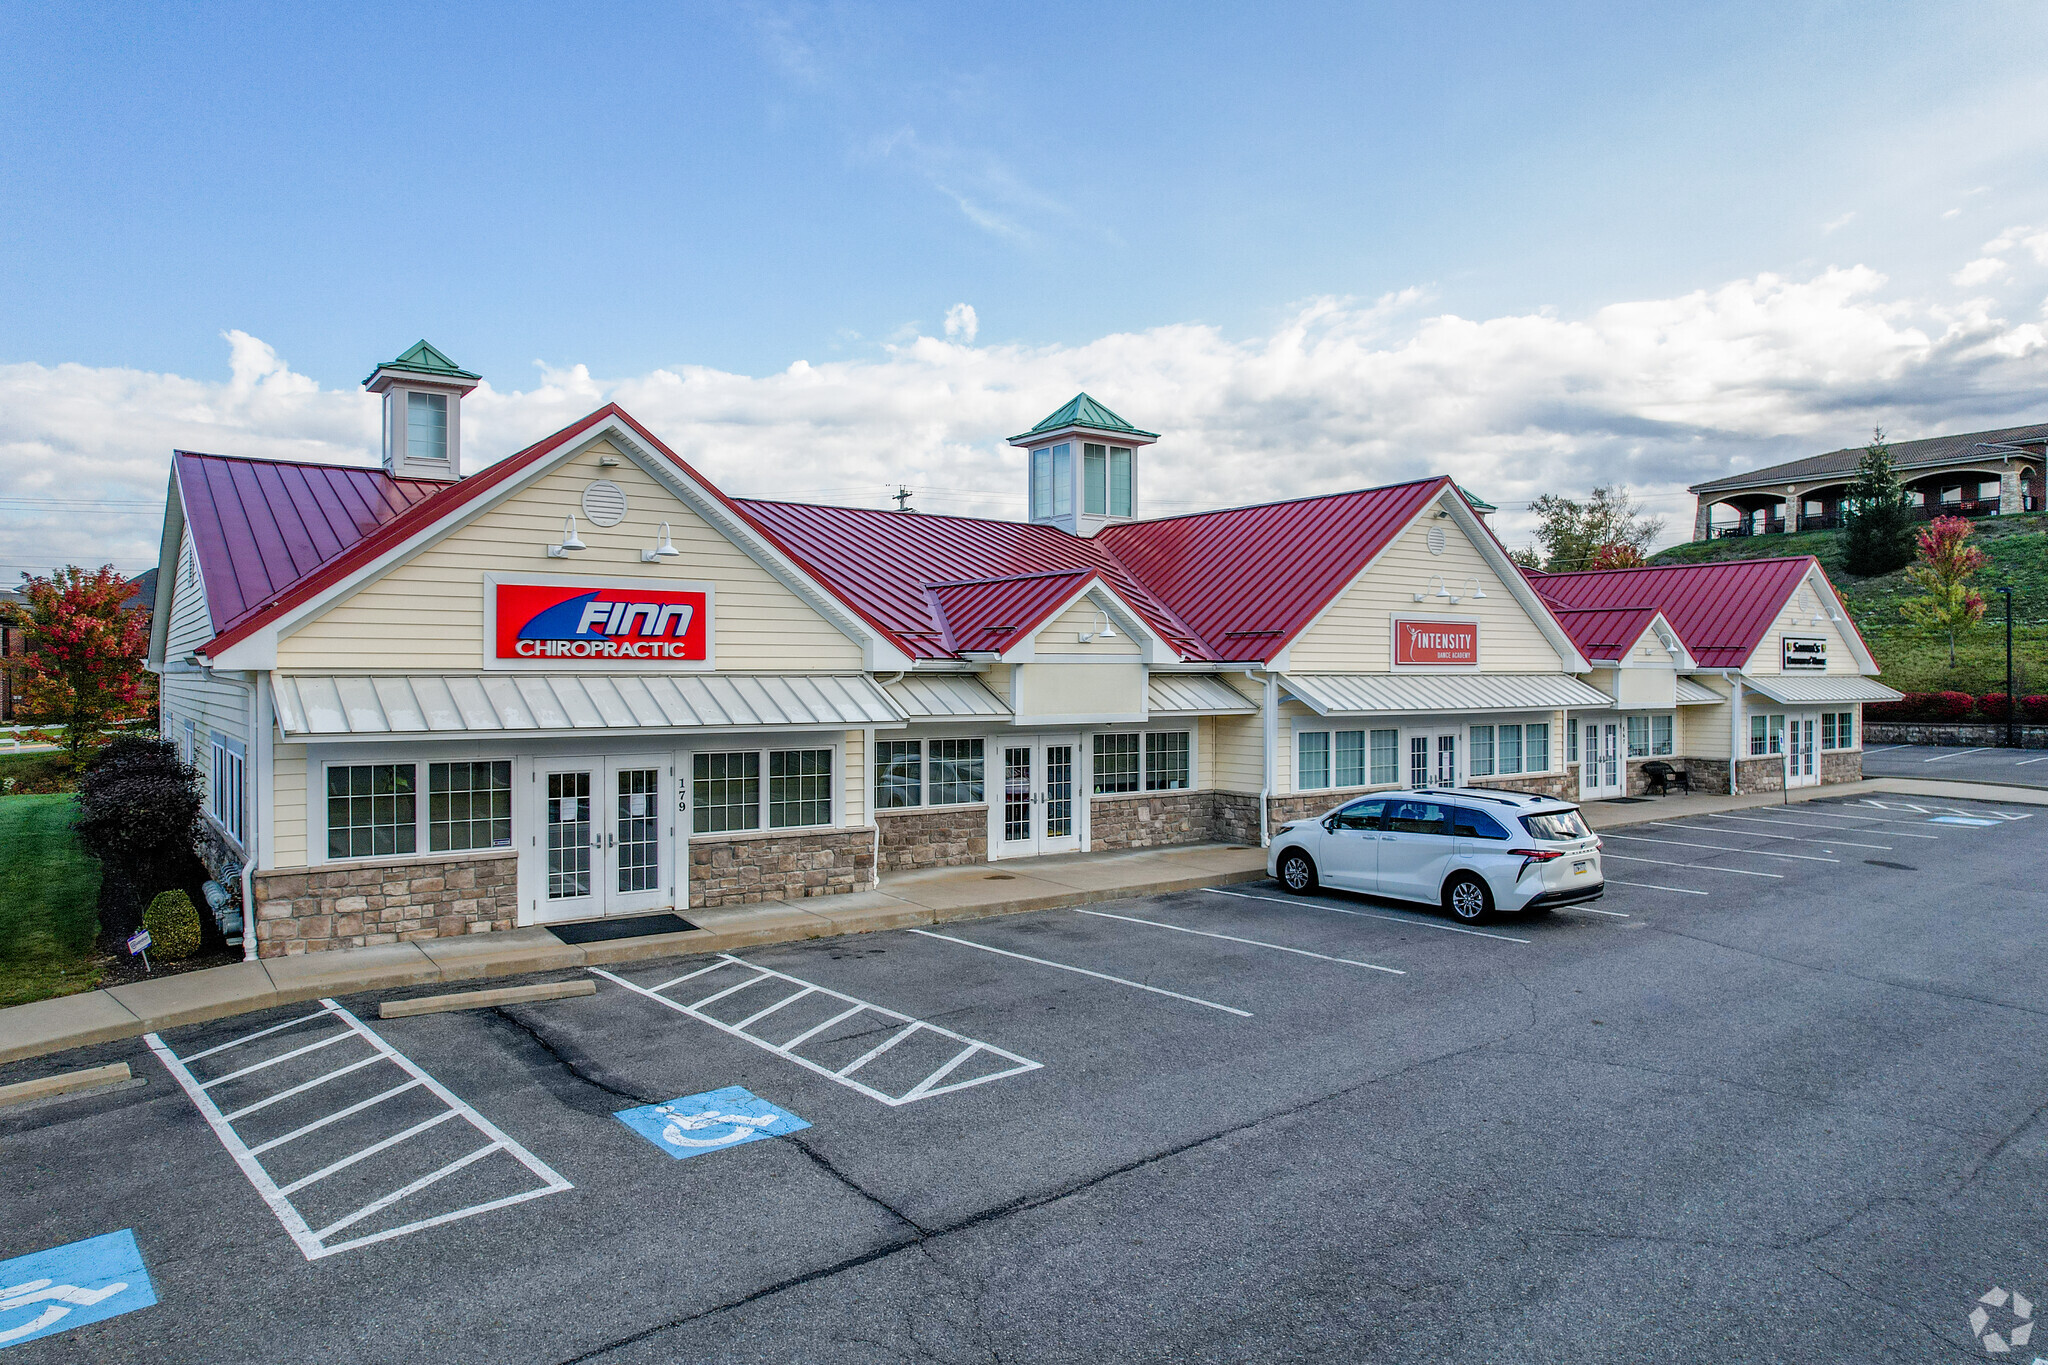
903 900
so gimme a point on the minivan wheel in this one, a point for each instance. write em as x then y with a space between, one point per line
1468 898
1298 874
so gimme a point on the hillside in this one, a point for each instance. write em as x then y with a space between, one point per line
1915 660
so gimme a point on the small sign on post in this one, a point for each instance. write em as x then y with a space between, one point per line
138 943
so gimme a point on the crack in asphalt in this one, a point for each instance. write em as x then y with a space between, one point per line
574 1068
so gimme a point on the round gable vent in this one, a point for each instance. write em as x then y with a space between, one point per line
604 503
1436 540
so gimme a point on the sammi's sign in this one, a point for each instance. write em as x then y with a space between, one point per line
568 621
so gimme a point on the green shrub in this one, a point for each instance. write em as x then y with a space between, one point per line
173 926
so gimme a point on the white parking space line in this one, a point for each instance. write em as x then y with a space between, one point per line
2021 763
902 1026
2006 815
1415 920
1645 886
1808 824
1723 848
1757 834
315 1245
1884 748
1083 971
1695 867
1252 942
1959 753
1592 910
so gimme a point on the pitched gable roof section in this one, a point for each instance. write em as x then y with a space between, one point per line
993 614
1083 411
1721 611
423 359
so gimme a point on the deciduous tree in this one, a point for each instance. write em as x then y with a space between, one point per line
1616 556
1946 563
1573 532
81 669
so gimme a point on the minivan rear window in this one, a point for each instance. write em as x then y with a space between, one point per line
1555 825
1473 824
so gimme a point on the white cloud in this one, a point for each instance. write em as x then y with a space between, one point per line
1983 270
1834 225
1655 393
1951 213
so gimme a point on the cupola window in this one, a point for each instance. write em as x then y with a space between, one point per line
426 426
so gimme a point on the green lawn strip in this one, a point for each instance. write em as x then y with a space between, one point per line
49 891
1913 659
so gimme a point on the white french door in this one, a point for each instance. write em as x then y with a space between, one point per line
603 838
1802 762
1038 803
1433 760
1602 774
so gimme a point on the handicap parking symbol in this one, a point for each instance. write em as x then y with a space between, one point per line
696 1124
69 1286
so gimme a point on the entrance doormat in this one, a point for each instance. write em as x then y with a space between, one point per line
1624 800
629 926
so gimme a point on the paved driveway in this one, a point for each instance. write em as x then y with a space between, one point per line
2019 767
1777 1097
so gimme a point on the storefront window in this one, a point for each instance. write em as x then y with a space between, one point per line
1166 761
1536 748
956 771
1638 736
726 791
1312 760
1838 730
1482 751
1502 749
899 774
1386 756
1348 763
469 805
1571 741
1660 735
372 809
799 788
1116 763
1511 748
224 792
1766 735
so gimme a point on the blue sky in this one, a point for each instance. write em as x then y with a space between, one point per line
644 190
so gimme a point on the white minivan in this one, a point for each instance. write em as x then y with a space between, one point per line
1472 851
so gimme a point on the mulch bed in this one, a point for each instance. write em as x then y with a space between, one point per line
119 969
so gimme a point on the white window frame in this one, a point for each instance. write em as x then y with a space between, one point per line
686 773
227 785
1329 731
1667 746
1837 731
1492 731
422 763
924 771
1193 734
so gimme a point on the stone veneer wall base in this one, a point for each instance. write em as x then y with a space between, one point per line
356 905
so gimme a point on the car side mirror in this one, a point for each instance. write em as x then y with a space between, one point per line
1330 823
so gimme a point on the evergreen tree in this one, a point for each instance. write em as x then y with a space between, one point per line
1879 533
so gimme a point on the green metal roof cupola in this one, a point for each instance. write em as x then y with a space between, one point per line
423 391
1081 464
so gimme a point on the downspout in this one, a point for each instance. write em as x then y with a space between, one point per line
1734 731
1270 734
252 769
874 816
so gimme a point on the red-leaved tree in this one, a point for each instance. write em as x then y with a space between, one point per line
1942 572
1617 554
82 666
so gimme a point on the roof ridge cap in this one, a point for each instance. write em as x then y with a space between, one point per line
1275 502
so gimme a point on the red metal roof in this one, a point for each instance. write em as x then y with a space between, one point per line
260 526
1604 632
1248 578
995 613
1721 610
880 563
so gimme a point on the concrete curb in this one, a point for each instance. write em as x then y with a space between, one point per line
106 1016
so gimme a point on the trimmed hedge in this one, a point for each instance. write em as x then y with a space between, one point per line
1950 707
173 926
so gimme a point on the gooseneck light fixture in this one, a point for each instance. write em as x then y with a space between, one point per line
664 550
569 539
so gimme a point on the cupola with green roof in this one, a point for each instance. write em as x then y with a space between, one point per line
1081 467
423 391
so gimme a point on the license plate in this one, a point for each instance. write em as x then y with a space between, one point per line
1581 869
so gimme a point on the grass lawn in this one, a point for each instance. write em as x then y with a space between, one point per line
49 891
1913 659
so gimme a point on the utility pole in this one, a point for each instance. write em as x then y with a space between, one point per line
2011 702
903 496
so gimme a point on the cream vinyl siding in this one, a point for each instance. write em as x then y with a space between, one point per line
853 780
428 613
1293 715
1083 618
1062 690
1355 634
190 626
997 680
216 702
1233 755
288 806
1796 618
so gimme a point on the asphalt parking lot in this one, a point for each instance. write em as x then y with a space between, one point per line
1778 1096
2017 767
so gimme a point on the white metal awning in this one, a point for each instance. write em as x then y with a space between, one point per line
1691 693
1372 694
945 696
1820 689
1195 694
317 707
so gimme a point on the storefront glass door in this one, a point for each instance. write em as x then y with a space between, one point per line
1602 774
1802 765
605 838
1040 806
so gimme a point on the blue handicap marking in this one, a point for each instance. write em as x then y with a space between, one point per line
69 1286
1963 820
696 1124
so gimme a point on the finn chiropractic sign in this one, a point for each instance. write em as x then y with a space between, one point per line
562 621
1441 644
